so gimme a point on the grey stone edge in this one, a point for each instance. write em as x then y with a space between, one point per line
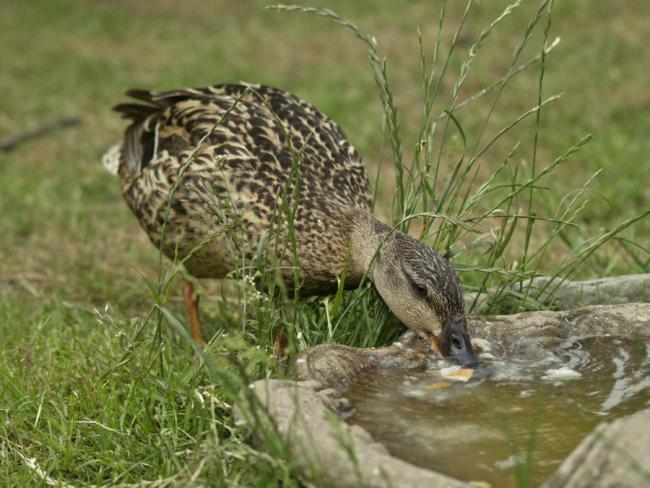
563 295
307 414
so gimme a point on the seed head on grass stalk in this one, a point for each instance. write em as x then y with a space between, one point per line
458 207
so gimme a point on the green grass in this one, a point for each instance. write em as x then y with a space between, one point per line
107 396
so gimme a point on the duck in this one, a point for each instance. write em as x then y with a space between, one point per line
211 173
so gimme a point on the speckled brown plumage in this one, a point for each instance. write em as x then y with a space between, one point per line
223 173
238 150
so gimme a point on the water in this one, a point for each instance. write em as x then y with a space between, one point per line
482 429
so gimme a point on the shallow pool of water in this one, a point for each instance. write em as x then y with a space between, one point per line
485 429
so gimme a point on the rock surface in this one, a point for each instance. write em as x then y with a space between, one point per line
338 366
329 451
615 455
527 333
571 294
306 414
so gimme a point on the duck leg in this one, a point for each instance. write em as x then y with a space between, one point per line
280 344
191 299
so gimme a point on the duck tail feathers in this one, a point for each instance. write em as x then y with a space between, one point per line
111 158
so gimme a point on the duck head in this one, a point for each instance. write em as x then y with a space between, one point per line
423 291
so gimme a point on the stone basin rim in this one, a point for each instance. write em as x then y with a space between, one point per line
302 409
337 366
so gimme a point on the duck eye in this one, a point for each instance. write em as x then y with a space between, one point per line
420 289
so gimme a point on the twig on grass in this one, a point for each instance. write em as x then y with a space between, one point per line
9 142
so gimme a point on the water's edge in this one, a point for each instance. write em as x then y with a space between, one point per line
301 411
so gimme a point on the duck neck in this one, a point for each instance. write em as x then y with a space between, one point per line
369 234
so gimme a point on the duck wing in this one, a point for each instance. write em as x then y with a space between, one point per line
236 148
258 130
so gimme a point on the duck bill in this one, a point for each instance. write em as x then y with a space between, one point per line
454 342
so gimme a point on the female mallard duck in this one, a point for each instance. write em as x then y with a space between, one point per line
209 171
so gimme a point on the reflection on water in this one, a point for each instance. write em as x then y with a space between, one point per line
481 429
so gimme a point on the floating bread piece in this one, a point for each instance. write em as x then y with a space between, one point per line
438 384
562 373
480 484
480 345
455 373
